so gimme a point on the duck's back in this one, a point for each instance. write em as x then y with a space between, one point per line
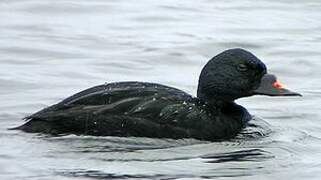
132 109
123 109
130 96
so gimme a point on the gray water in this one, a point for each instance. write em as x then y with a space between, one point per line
52 49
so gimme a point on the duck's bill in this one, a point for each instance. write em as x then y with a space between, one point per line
272 87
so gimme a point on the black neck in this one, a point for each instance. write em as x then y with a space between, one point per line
213 103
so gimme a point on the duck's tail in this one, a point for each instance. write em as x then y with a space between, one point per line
32 125
14 128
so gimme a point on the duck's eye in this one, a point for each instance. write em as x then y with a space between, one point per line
242 67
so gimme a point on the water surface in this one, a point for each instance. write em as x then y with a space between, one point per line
50 50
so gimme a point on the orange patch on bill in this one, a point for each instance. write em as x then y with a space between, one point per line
278 85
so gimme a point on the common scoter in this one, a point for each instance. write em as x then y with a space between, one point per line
153 110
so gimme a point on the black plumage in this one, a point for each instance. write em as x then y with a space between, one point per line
153 110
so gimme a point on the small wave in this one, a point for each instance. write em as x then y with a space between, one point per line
243 155
90 144
256 128
96 174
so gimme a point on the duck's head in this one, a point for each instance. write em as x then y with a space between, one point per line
237 73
